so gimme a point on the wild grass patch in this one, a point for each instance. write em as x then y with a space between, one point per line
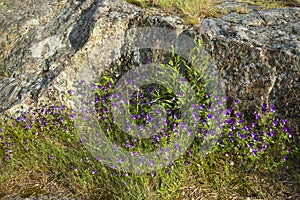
41 149
194 10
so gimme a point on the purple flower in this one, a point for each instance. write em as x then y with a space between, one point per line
286 129
158 111
220 103
195 116
151 162
81 82
264 108
133 117
249 145
260 148
284 158
28 127
246 128
180 94
187 162
275 123
175 116
51 157
284 121
153 173
47 111
252 150
254 136
272 109
209 116
64 128
235 101
228 111
271 134
229 121
257 116
239 121
207 95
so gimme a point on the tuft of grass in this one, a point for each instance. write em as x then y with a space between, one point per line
265 4
194 10
241 10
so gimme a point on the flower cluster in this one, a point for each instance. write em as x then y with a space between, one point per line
265 136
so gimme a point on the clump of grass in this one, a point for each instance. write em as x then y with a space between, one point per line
241 10
273 3
42 147
192 10
195 10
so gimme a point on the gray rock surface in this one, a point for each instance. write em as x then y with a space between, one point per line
259 57
41 45
44 44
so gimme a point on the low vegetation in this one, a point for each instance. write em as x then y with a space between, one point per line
194 10
42 152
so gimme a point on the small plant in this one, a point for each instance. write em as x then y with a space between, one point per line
241 10
195 10
273 3
191 10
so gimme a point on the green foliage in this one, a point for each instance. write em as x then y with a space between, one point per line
44 144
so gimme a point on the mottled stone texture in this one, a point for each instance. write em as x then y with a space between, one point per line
43 45
259 58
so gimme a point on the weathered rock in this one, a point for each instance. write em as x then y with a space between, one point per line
45 44
42 44
258 55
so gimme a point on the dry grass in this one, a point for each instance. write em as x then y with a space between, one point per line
191 10
195 10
